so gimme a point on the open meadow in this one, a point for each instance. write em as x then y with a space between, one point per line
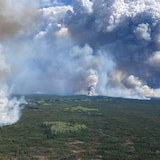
83 128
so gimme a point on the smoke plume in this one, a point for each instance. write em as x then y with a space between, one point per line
9 108
92 47
14 17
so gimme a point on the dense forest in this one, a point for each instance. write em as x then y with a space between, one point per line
83 128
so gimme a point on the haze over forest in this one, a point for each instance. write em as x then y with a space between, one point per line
88 47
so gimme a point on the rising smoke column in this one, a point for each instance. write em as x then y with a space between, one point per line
54 58
9 108
129 32
14 17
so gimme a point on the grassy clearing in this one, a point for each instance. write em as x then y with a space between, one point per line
81 109
63 128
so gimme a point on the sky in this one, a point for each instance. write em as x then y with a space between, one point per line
47 3
97 47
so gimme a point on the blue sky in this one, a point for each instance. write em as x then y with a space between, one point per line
46 3
66 1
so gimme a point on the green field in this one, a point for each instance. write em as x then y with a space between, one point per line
83 128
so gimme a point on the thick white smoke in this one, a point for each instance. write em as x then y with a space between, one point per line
94 47
9 108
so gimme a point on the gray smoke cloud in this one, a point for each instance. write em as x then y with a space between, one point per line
92 47
14 17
